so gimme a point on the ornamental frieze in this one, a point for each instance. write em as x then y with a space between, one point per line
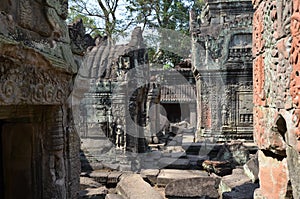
32 85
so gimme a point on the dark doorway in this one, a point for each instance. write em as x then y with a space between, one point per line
173 112
17 168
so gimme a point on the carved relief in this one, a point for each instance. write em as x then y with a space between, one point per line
32 85
294 61
260 137
258 81
258 28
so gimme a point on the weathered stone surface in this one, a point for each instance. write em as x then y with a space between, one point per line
113 177
86 182
245 191
221 50
167 175
273 175
113 196
37 69
93 193
220 168
237 178
99 176
257 194
193 187
174 163
150 174
251 168
276 96
134 187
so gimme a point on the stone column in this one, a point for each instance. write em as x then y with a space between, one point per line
54 164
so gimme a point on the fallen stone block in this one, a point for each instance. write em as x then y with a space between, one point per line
113 177
245 191
150 174
99 176
93 193
168 175
86 182
220 168
174 163
237 178
193 187
113 196
134 187
251 169
111 166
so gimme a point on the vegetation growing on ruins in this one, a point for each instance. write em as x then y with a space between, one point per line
114 17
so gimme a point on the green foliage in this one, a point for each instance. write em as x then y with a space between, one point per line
100 17
90 23
165 14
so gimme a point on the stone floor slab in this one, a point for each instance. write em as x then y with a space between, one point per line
167 175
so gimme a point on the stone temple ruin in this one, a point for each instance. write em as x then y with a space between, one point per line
222 66
276 97
112 110
60 87
39 145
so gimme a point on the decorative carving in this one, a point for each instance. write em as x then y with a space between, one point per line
295 75
259 81
258 28
32 85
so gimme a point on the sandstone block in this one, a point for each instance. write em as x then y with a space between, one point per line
245 191
251 169
237 178
93 193
168 175
150 174
193 187
86 182
174 163
99 176
113 196
134 187
220 168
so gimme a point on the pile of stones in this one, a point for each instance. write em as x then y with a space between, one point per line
223 178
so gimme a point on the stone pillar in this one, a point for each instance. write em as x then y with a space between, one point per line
54 170
276 96
193 114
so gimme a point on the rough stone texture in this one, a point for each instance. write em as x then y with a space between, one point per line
150 174
168 175
93 193
222 66
113 196
193 187
86 182
251 168
220 168
112 89
134 187
245 191
36 78
174 163
276 96
273 175
237 178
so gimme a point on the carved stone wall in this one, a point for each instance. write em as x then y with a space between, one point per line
276 96
113 103
36 71
222 66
